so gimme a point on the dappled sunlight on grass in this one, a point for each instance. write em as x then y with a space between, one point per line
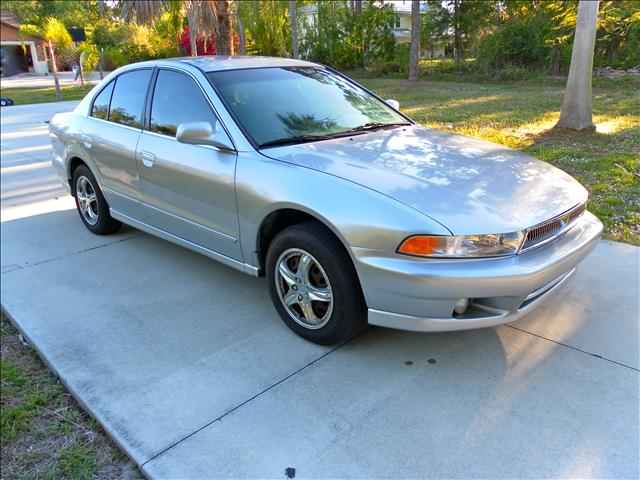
609 125
522 116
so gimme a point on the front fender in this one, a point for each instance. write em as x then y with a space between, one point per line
360 217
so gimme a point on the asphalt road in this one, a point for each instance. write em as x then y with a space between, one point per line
189 369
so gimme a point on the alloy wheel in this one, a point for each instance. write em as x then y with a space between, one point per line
87 200
304 288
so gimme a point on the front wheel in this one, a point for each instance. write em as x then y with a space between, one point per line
314 286
90 202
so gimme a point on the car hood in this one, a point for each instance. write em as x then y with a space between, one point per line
466 184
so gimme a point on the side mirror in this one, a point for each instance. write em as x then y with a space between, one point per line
393 103
203 133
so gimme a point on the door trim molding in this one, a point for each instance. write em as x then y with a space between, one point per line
217 233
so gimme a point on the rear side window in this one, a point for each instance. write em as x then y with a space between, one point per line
127 101
177 99
100 107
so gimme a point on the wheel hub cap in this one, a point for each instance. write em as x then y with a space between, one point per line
304 288
87 200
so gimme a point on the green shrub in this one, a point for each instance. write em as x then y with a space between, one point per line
515 44
91 60
341 39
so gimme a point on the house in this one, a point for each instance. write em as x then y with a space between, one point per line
402 28
17 54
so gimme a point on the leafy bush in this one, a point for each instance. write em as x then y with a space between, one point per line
342 39
91 59
515 44
66 57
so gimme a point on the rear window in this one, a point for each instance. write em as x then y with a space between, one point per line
100 107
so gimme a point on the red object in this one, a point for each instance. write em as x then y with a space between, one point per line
206 44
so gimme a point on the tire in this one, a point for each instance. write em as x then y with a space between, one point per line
4 103
328 270
91 205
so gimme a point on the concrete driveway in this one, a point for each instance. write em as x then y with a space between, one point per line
187 366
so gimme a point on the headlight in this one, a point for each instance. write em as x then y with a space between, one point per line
440 246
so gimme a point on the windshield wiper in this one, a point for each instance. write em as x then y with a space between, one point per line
312 138
374 126
296 139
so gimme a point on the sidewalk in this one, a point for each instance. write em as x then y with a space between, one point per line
31 80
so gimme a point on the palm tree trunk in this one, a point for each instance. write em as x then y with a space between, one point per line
224 38
193 27
243 41
54 70
100 51
414 54
101 63
294 28
576 111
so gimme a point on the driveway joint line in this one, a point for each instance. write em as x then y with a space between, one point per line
576 349
282 380
30 265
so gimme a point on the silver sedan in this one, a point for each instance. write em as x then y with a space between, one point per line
354 213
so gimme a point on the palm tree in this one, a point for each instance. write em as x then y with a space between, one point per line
142 12
576 111
193 8
56 35
224 36
294 28
414 54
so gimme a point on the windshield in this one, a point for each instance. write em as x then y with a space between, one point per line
281 105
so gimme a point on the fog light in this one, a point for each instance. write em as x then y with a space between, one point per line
461 306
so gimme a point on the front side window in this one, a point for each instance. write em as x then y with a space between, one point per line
127 101
280 105
100 108
176 100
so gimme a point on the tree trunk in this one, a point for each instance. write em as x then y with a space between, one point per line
294 28
101 63
457 34
554 66
576 109
54 70
100 51
192 32
358 7
224 37
243 41
414 54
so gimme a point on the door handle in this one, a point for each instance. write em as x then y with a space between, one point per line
147 158
87 140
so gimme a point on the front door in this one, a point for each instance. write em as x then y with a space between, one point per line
188 190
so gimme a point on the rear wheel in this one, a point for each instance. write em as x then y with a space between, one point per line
92 206
313 284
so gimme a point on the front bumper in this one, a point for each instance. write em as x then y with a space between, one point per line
419 294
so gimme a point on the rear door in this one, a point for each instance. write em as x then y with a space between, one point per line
111 134
188 190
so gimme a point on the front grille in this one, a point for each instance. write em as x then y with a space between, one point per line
547 231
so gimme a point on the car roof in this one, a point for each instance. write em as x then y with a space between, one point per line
212 63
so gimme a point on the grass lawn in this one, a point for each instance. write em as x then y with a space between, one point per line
25 96
521 115
44 433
